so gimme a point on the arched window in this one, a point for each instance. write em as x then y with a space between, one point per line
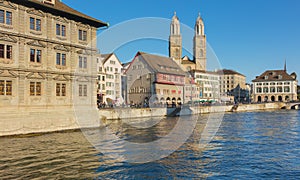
273 98
259 98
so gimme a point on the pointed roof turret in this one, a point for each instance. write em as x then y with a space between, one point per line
175 25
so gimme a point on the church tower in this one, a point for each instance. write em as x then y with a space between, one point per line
200 45
175 40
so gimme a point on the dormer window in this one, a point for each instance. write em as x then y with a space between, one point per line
279 76
52 2
266 77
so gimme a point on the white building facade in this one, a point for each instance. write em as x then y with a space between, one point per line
209 85
275 85
109 80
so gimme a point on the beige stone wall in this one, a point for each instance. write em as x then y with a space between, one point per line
21 71
231 81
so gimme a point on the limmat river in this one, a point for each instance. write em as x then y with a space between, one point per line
250 145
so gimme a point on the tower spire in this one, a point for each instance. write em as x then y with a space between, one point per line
175 40
200 44
285 65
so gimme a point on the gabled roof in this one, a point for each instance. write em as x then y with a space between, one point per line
160 64
187 60
106 57
63 10
229 72
274 75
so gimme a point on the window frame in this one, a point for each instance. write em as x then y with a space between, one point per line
36 57
6 87
61 59
6 17
82 35
60 30
60 89
35 88
6 51
35 24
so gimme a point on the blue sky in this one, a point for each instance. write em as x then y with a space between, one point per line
249 36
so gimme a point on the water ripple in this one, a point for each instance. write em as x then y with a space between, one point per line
252 145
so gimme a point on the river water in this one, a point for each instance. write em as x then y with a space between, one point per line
250 145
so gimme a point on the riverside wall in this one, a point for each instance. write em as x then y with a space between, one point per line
112 114
16 121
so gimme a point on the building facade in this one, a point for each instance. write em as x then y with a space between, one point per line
110 83
209 85
233 86
153 79
275 85
47 55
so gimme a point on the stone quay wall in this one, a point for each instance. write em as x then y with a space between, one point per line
18 121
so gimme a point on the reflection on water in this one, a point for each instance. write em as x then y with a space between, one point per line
248 145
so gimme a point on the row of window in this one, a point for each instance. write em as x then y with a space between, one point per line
101 87
36 56
110 92
172 78
110 69
167 91
207 77
286 89
109 76
99 78
35 89
273 83
36 25
109 84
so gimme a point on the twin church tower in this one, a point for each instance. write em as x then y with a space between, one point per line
199 50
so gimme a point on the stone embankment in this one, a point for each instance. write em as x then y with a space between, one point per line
27 121
125 113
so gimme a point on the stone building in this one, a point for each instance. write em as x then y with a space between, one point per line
47 58
230 79
275 85
209 84
154 79
110 83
